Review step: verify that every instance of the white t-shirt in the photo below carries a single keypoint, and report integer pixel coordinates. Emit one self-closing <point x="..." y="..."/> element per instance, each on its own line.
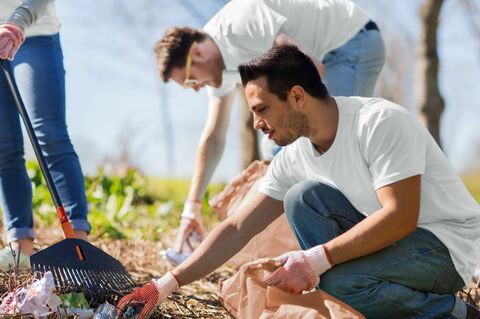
<point x="47" y="23"/>
<point x="245" y="29"/>
<point x="379" y="143"/>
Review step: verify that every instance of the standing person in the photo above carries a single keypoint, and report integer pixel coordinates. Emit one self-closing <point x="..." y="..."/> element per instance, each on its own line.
<point x="384" y="222"/>
<point x="338" y="35"/>
<point x="29" y="38"/>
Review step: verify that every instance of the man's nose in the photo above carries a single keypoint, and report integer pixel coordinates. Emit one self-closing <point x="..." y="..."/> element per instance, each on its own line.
<point x="258" y="123"/>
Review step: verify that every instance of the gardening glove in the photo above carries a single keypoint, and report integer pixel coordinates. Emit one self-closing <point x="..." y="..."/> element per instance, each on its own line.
<point x="300" y="270"/>
<point x="190" y="226"/>
<point x="11" y="37"/>
<point x="149" y="295"/>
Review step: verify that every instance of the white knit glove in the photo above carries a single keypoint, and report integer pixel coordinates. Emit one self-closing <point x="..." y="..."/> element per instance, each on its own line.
<point x="300" y="270"/>
<point x="190" y="226"/>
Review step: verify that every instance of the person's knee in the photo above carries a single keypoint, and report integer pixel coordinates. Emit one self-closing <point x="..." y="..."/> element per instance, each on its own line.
<point x="60" y="147"/>
<point x="54" y="140"/>
<point x="11" y="156"/>
<point x="307" y="193"/>
<point x="297" y="197"/>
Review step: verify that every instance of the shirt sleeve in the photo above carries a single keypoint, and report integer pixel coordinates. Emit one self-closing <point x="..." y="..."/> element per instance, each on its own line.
<point x="280" y="175"/>
<point x="28" y="12"/>
<point x="395" y="147"/>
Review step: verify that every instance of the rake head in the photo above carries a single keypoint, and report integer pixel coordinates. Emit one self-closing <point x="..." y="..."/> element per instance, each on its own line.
<point x="78" y="266"/>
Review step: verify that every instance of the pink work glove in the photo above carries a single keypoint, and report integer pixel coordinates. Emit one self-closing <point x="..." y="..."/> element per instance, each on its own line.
<point x="150" y="295"/>
<point x="11" y="37"/>
<point x="300" y="270"/>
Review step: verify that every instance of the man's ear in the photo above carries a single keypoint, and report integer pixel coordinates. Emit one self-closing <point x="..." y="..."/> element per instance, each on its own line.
<point x="197" y="53"/>
<point x="298" y="95"/>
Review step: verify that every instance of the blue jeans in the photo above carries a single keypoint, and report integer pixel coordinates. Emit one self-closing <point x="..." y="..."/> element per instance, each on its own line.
<point x="353" y="69"/>
<point x="413" y="278"/>
<point x="40" y="76"/>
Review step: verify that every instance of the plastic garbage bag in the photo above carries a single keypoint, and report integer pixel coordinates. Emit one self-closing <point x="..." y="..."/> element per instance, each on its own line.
<point x="30" y="300"/>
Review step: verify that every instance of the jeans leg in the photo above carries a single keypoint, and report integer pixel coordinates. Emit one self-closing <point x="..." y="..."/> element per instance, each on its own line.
<point x="41" y="80"/>
<point x="371" y="57"/>
<point x="318" y="213"/>
<point x="15" y="187"/>
<point x="353" y="69"/>
<point x="413" y="278"/>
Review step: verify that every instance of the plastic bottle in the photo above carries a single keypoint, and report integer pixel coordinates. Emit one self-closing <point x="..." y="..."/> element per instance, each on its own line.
<point x="105" y="311"/>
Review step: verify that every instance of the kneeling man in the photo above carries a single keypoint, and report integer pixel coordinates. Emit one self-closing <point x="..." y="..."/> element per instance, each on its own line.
<point x="384" y="222"/>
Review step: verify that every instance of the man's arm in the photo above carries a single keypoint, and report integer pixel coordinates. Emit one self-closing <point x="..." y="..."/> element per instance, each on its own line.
<point x="209" y="152"/>
<point x="396" y="219"/>
<point x="224" y="242"/>
<point x="300" y="270"/>
<point x="211" y="144"/>
<point x="229" y="237"/>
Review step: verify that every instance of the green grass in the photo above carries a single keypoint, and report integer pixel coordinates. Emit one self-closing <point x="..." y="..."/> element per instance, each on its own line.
<point x="130" y="205"/>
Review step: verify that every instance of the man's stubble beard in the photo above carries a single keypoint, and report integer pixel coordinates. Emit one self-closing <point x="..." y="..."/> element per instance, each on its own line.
<point x="295" y="126"/>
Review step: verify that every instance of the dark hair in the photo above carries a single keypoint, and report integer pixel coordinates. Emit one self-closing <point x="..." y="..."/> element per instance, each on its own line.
<point x="172" y="48"/>
<point x="284" y="67"/>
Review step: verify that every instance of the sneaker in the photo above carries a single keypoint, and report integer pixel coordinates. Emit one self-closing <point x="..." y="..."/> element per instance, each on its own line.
<point x="472" y="312"/>
<point x="7" y="261"/>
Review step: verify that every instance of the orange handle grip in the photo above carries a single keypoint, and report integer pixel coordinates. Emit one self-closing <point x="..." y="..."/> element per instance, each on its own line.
<point x="66" y="225"/>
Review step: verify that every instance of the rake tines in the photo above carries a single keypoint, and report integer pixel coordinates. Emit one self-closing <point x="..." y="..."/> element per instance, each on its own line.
<point x="98" y="275"/>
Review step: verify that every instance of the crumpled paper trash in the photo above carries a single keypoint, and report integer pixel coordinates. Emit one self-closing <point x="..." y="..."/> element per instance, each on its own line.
<point x="31" y="300"/>
<point x="245" y="296"/>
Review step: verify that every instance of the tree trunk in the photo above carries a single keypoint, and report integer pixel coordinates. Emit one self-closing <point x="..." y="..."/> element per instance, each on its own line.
<point x="430" y="101"/>
<point x="249" y="135"/>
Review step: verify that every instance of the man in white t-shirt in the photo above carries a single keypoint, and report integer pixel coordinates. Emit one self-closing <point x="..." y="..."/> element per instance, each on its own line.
<point x="384" y="223"/>
<point x="338" y="35"/>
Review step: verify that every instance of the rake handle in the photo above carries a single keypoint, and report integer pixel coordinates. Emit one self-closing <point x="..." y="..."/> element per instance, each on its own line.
<point x="12" y="85"/>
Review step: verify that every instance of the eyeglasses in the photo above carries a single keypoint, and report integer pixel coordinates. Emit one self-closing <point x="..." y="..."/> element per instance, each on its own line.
<point x="189" y="83"/>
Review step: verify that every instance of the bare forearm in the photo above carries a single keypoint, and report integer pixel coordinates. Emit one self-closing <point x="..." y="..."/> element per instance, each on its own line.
<point x="211" y="144"/>
<point x="208" y="155"/>
<point x="372" y="234"/>
<point x="222" y="244"/>
<point x="229" y="237"/>
<point x="397" y="218"/>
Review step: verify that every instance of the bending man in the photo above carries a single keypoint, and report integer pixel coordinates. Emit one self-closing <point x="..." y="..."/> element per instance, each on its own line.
<point x="338" y="35"/>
